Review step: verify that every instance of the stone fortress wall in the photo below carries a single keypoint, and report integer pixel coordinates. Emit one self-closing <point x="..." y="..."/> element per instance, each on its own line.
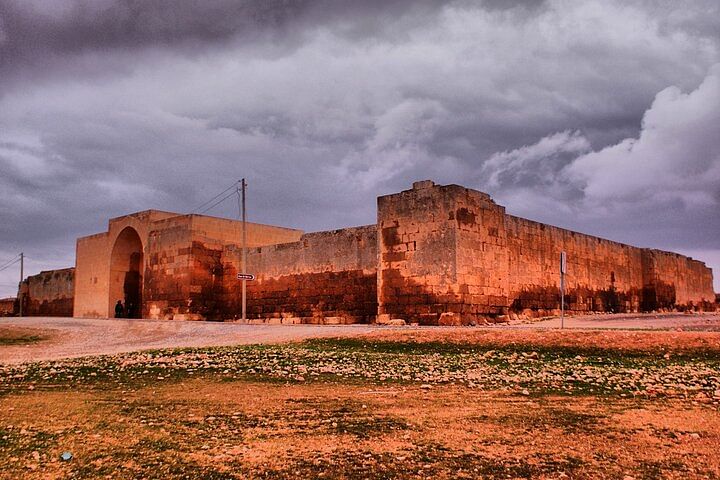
<point x="49" y="293"/>
<point x="452" y="252"/>
<point x="325" y="277"/>
<point x="437" y="255"/>
<point x="8" y="306"/>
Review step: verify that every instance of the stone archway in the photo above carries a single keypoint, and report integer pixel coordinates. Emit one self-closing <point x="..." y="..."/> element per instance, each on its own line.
<point x="126" y="273"/>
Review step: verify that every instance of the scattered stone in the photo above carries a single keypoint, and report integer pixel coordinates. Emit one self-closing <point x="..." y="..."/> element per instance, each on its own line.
<point x="66" y="456"/>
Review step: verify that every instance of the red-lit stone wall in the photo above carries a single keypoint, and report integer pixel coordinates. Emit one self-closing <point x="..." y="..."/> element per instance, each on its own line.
<point x="450" y="255"/>
<point x="326" y="277"/>
<point x="601" y="275"/>
<point x="49" y="293"/>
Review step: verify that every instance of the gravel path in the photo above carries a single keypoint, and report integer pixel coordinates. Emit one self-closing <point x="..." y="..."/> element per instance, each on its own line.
<point x="77" y="337"/>
<point x="662" y="321"/>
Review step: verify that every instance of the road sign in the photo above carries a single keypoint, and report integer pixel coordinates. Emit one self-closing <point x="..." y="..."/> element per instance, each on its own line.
<point x="245" y="276"/>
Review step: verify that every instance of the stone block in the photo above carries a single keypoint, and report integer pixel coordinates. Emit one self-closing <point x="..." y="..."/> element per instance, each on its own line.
<point x="450" y="319"/>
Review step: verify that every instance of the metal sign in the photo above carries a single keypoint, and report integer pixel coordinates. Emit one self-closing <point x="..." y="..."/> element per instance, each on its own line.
<point x="245" y="276"/>
<point x="563" y="262"/>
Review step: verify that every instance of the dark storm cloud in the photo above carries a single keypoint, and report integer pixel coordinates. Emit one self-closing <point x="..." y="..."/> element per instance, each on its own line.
<point x="35" y="27"/>
<point x="112" y="106"/>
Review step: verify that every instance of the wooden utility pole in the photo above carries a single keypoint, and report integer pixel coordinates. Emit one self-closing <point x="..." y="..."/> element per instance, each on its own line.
<point x="244" y="253"/>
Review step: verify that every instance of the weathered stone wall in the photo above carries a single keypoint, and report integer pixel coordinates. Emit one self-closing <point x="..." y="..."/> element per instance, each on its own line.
<point x="167" y="292"/>
<point x="671" y="280"/>
<point x="222" y="231"/>
<point x="49" y="293"/>
<point x="601" y="275"/>
<point x="8" y="306"/>
<point x="92" y="276"/>
<point x="441" y="251"/>
<point x="451" y="255"/>
<point x="210" y="235"/>
<point x="183" y="276"/>
<point x="326" y="277"/>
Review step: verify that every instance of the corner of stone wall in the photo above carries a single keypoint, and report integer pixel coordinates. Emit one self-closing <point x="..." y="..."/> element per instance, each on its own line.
<point x="441" y="250"/>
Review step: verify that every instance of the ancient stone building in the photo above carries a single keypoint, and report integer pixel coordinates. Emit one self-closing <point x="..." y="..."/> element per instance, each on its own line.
<point x="437" y="255"/>
<point x="161" y="264"/>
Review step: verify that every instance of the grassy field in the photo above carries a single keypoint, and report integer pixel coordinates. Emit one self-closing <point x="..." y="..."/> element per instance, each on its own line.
<point x="370" y="408"/>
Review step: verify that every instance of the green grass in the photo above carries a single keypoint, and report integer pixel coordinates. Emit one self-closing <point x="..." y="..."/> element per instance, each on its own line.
<point x="450" y="348"/>
<point x="547" y="370"/>
<point x="11" y="339"/>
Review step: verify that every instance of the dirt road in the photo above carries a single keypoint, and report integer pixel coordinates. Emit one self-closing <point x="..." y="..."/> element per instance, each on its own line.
<point x="662" y="321"/>
<point x="75" y="337"/>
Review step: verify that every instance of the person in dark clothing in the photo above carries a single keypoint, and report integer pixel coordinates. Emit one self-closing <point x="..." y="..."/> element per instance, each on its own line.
<point x="119" y="309"/>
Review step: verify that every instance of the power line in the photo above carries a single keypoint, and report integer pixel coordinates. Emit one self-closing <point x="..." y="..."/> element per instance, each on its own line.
<point x="17" y="257"/>
<point x="234" y="185"/>
<point x="219" y="202"/>
<point x="9" y="265"/>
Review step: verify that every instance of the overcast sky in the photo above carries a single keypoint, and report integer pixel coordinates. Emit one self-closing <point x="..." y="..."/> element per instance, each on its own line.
<point x="599" y="116"/>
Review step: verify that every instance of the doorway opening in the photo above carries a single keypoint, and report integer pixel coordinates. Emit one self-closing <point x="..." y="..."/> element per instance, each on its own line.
<point x="126" y="274"/>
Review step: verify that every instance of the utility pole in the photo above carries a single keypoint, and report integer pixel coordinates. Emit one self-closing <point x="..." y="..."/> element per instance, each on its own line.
<point x="563" y="269"/>
<point x="22" y="274"/>
<point x="244" y="253"/>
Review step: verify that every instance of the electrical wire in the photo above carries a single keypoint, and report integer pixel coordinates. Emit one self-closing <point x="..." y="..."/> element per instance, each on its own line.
<point x="219" y="202"/>
<point x="9" y="265"/>
<point x="234" y="185"/>
<point x="10" y="261"/>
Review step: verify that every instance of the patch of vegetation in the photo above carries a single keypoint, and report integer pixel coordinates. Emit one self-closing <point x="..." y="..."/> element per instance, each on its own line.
<point x="156" y="444"/>
<point x="429" y="461"/>
<point x="411" y="347"/>
<point x="347" y="345"/>
<point x="8" y="339"/>
<point x="548" y="417"/>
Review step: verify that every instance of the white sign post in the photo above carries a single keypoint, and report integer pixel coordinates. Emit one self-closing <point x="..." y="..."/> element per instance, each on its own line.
<point x="563" y="270"/>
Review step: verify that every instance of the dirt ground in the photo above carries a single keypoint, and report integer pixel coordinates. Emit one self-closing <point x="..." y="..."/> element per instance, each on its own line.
<point x="361" y="402"/>
<point x="205" y="429"/>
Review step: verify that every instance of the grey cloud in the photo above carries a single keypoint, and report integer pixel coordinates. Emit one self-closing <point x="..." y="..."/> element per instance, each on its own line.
<point x="659" y="189"/>
<point x="112" y="106"/>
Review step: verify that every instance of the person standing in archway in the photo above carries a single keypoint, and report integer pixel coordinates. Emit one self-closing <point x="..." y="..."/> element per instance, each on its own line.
<point x="119" y="309"/>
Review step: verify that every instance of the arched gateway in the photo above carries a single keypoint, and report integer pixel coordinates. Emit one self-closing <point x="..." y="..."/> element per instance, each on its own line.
<point x="126" y="272"/>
